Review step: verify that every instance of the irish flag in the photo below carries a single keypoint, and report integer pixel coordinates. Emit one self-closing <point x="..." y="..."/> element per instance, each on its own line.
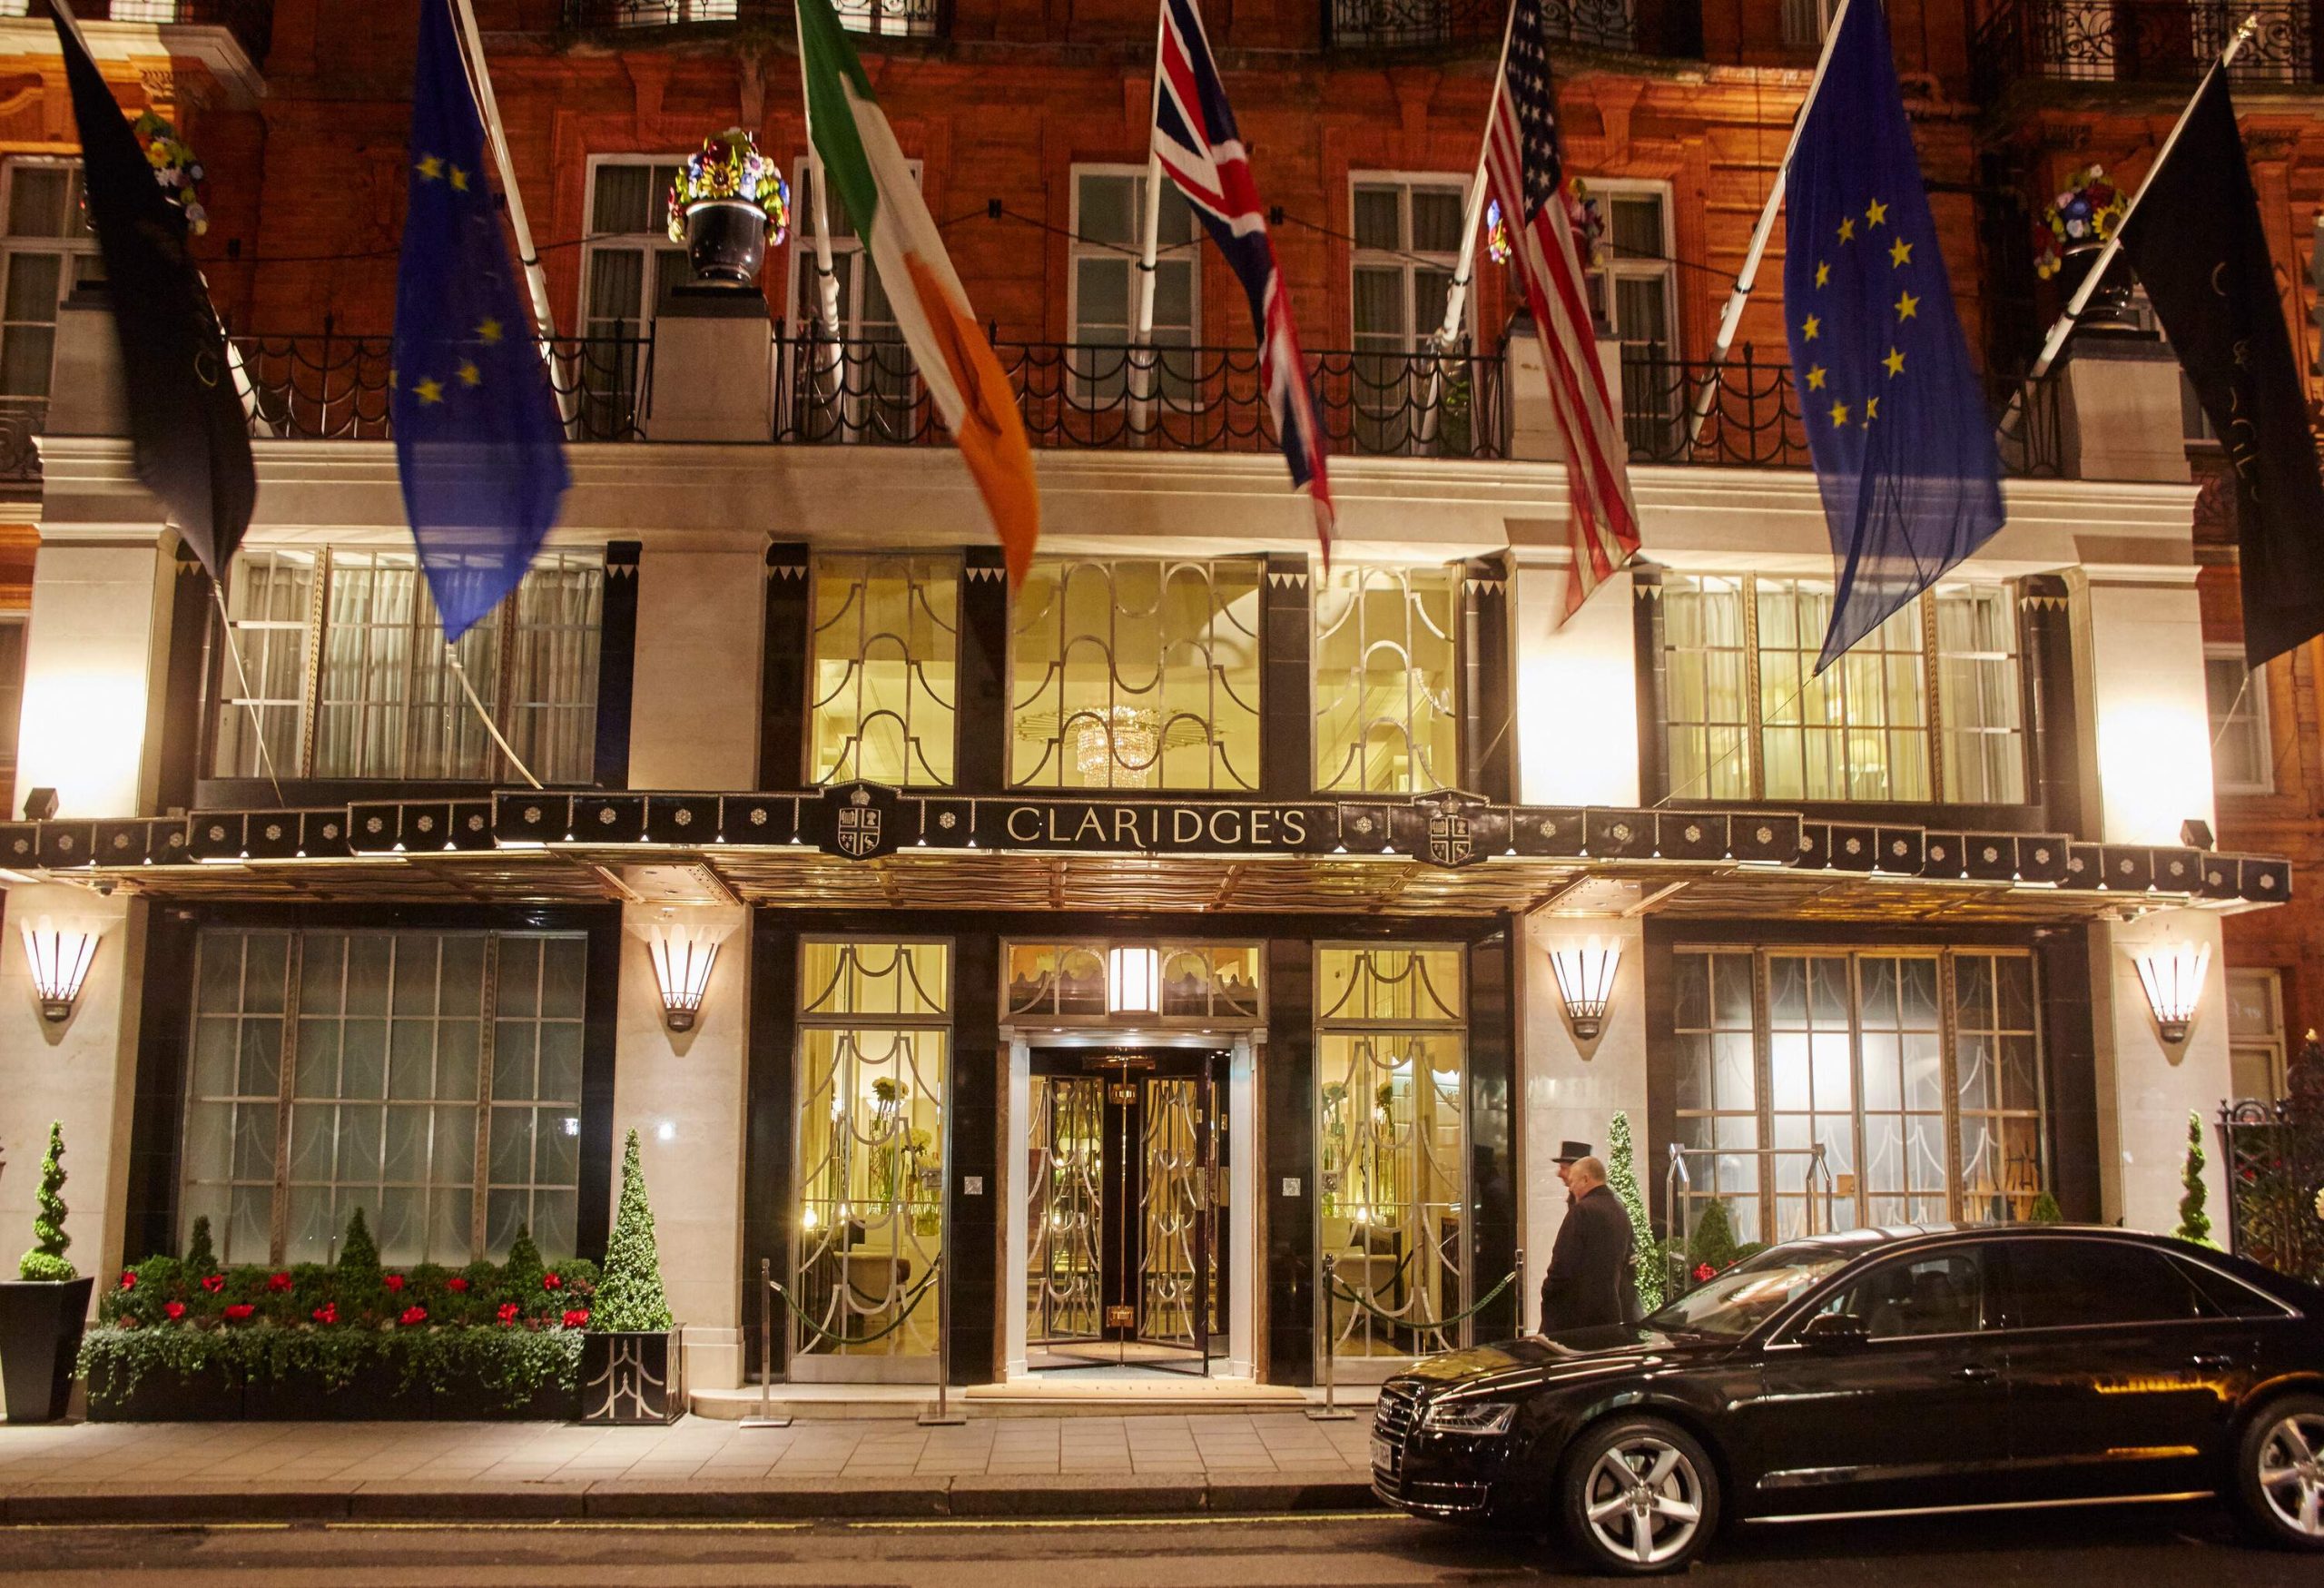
<point x="864" y="167"/>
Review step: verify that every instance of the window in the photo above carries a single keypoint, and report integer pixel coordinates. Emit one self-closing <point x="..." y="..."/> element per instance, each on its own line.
<point x="1407" y="249"/>
<point x="1633" y="293"/>
<point x="1387" y="666"/>
<point x="874" y="1045"/>
<point x="2085" y="1284"/>
<point x="1136" y="673"/>
<point x="1943" y="1293"/>
<point x="627" y="268"/>
<point x="1744" y="717"/>
<point x="47" y="252"/>
<point x="346" y="678"/>
<point x="12" y="692"/>
<point x="1392" y="1144"/>
<point x="883" y="671"/>
<point x="1108" y="226"/>
<point x="2255" y="1034"/>
<point x="1064" y="983"/>
<point x="1804" y="22"/>
<point x="333" y="1071"/>
<point x="865" y="388"/>
<point x="2243" y="760"/>
<point x="1917" y="1070"/>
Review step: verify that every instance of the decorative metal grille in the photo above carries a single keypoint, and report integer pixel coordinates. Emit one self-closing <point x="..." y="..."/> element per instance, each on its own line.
<point x="1372" y="25"/>
<point x="2275" y="1172"/>
<point x="331" y="386"/>
<point x="2142" y="41"/>
<point x="1392" y="1146"/>
<point x="1177" y="1279"/>
<point x="1064" y="1208"/>
<point x="887" y="18"/>
<point x="885" y="669"/>
<point x="1063" y="984"/>
<point x="874" y="1051"/>
<point x="1387" y="695"/>
<point x="1136" y="673"/>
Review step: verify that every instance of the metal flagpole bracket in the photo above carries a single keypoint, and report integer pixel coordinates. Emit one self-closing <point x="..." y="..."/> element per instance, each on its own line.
<point x="767" y="1417"/>
<point x="1331" y="1411"/>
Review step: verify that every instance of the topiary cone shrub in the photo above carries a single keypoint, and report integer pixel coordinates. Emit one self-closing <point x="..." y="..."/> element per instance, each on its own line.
<point x="630" y="1299"/>
<point x="633" y="1368"/>
<point x="2195" y="1221"/>
<point x="1621" y="1175"/>
<point x="46" y="1260"/>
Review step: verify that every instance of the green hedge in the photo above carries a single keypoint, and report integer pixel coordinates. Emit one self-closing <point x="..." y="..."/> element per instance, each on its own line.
<point x="512" y="1363"/>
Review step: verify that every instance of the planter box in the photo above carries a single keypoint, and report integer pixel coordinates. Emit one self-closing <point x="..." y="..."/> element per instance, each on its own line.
<point x="40" y="1336"/>
<point x="473" y="1401"/>
<point x="375" y="1395"/>
<point x="213" y="1394"/>
<point x="633" y="1377"/>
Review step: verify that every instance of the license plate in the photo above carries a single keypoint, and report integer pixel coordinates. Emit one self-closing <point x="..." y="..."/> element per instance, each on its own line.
<point x="1384" y="1454"/>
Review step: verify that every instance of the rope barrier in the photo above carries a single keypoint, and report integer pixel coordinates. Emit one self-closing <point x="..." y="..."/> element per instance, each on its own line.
<point x="1487" y="1299"/>
<point x="911" y="1302"/>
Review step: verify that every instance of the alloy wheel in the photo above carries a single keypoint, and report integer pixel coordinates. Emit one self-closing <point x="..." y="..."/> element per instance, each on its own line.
<point x="1645" y="1500"/>
<point x="2291" y="1471"/>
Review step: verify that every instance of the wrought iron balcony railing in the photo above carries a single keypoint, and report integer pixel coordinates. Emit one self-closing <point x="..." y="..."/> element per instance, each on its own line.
<point x="887" y="18"/>
<point x="251" y="22"/>
<point x="1654" y="27"/>
<point x="21" y="418"/>
<point x="2142" y="41"/>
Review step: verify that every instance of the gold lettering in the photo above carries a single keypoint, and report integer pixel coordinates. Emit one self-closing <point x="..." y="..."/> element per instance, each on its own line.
<point x="1017" y="837"/>
<point x="1294" y="827"/>
<point x="1126" y="817"/>
<point x="1262" y="827"/>
<point x="1186" y="825"/>
<point x="1055" y="836"/>
<point x="1090" y="826"/>
<point x="1234" y="837"/>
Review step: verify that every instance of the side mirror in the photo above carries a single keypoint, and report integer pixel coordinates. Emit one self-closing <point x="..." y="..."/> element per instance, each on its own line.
<point x="1835" y="1328"/>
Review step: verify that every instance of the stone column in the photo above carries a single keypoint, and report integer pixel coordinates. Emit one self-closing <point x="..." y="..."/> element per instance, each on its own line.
<point x="2146" y="1087"/>
<point x="2145" y="716"/>
<point x="1577" y="692"/>
<point x="695" y="706"/>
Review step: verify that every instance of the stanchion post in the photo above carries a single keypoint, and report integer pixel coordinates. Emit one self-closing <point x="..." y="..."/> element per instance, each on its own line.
<point x="1521" y="1289"/>
<point x="1330" y="1411"/>
<point x="767" y="1417"/>
<point x="942" y="1415"/>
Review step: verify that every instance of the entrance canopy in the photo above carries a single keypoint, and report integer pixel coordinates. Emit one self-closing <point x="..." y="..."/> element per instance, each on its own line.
<point x="867" y="846"/>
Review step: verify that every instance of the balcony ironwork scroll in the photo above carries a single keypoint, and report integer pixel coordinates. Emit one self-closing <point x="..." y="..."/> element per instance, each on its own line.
<point x="882" y="18"/>
<point x="1663" y="27"/>
<point x="2275" y="1172"/>
<point x="2142" y="41"/>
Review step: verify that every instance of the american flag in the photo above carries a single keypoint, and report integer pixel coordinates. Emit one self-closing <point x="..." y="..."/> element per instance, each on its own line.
<point x="1197" y="147"/>
<point x="1525" y="172"/>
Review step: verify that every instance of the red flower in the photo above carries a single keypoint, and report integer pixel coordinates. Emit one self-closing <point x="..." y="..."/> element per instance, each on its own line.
<point x="508" y="1310"/>
<point x="456" y="1286"/>
<point x="1704" y="1271"/>
<point x="240" y="1312"/>
<point x="393" y="1282"/>
<point x="174" y="1310"/>
<point x="128" y="1280"/>
<point x="413" y="1316"/>
<point x="215" y="1283"/>
<point x="328" y="1313"/>
<point x="576" y="1318"/>
<point x="277" y="1282"/>
<point x="551" y="1282"/>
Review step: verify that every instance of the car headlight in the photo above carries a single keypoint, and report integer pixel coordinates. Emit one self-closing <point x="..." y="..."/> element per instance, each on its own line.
<point x="1470" y="1418"/>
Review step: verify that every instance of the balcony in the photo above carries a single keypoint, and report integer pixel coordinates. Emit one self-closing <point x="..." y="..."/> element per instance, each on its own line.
<point x="251" y="22"/>
<point x="2141" y="41"/>
<point x="884" y="18"/>
<point x="334" y="387"/>
<point x="1653" y="28"/>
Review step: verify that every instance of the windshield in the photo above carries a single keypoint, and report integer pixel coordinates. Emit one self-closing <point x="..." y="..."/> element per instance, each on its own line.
<point x="1746" y="1295"/>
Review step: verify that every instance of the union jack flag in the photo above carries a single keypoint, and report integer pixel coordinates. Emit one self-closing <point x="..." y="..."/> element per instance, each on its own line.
<point x="1197" y="145"/>
<point x="1526" y="172"/>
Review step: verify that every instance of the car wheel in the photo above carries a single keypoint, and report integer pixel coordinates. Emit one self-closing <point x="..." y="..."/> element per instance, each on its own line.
<point x="1639" y="1496"/>
<point x="2279" y="1489"/>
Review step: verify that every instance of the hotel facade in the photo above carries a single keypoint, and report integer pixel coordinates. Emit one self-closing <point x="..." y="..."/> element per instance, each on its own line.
<point x="1089" y="963"/>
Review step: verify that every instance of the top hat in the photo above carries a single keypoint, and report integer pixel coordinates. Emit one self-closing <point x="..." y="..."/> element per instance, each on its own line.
<point x="1571" y="1152"/>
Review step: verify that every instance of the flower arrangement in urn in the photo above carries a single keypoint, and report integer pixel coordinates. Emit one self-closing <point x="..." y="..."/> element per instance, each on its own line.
<point x="729" y="205"/>
<point x="2083" y="217"/>
<point x="175" y="166"/>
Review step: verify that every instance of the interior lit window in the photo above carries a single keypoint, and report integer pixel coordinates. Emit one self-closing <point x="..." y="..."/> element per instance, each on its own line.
<point x="883" y="669"/>
<point x="1387" y="696"/>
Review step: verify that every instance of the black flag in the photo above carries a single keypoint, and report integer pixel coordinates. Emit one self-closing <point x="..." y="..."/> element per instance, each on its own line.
<point x="186" y="423"/>
<point x="2196" y="242"/>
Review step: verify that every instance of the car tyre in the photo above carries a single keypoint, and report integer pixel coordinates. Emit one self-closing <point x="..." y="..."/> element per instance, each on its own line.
<point x="2278" y="1490"/>
<point x="1637" y="1496"/>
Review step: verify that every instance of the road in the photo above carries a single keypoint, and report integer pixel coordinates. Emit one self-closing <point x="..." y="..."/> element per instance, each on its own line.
<point x="2079" y="1548"/>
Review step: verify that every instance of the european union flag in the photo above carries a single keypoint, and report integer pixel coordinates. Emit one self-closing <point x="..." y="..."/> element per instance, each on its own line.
<point x="478" y="440"/>
<point x="1896" y="418"/>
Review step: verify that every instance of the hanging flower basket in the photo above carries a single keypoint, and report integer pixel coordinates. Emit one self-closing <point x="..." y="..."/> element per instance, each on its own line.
<point x="2075" y="227"/>
<point x="729" y="205"/>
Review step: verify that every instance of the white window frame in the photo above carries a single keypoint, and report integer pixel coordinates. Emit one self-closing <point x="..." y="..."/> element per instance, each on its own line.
<point x="1089" y="370"/>
<point x="2252" y="708"/>
<point x="806" y="317"/>
<point x="1404" y="258"/>
<point x="78" y="251"/>
<point x="2270" y="1046"/>
<point x="655" y="242"/>
<point x="1604" y="304"/>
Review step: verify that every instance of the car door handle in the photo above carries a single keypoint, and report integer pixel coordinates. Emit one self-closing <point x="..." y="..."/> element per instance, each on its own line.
<point x="1977" y="1372"/>
<point x="2213" y="1360"/>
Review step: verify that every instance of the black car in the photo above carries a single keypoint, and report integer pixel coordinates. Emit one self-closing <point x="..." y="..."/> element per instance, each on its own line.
<point x="1883" y="1371"/>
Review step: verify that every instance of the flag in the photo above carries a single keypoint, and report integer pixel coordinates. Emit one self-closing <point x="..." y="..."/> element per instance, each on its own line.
<point x="2199" y="246"/>
<point x="1895" y="415"/>
<point x="862" y="163"/>
<point x="1200" y="149"/>
<point x="478" y="440"/>
<point x="187" y="430"/>
<point x="1525" y="171"/>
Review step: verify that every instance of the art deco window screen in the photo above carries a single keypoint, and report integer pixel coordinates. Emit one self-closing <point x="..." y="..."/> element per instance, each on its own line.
<point x="1136" y="673"/>
<point x="1918" y="1071"/>
<point x="1392" y="1146"/>
<point x="1064" y="984"/>
<point x="344" y="656"/>
<point x="874" y="1051"/>
<point x="1387" y="672"/>
<point x="431" y="1079"/>
<point x="883" y="672"/>
<point x="1927" y="707"/>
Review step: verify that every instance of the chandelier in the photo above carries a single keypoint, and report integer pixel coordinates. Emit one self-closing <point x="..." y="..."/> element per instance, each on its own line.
<point x="1116" y="749"/>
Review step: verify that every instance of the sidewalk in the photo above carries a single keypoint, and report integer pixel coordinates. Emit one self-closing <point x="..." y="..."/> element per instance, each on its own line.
<point x="698" y="1468"/>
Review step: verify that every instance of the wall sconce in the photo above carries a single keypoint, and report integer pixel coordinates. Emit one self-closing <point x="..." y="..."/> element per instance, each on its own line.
<point x="2173" y="974"/>
<point x="1134" y="980"/>
<point x="682" y="952"/>
<point x="60" y="954"/>
<point x="1585" y="981"/>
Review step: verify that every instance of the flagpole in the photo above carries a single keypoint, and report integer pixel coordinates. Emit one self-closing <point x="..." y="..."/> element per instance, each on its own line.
<point x="1473" y="214"/>
<point x="1749" y="275"/>
<point x="480" y="81"/>
<point x="1141" y="362"/>
<point x="2057" y="339"/>
<point x="826" y="278"/>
